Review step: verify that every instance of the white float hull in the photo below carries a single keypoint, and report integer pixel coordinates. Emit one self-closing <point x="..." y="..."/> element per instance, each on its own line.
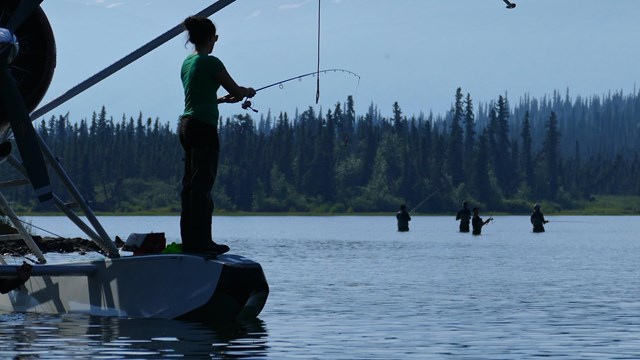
<point x="167" y="286"/>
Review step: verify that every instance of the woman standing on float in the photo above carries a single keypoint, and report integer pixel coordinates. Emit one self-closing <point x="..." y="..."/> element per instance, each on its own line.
<point x="202" y="75"/>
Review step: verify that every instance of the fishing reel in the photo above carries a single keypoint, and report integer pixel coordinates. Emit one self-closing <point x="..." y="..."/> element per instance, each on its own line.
<point x="246" y="104"/>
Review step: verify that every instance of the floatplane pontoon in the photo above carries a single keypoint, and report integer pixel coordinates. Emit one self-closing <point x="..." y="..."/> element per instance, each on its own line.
<point x="151" y="286"/>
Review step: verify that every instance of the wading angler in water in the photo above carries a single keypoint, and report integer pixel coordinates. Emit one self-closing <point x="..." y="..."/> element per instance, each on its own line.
<point x="403" y="218"/>
<point x="477" y="221"/>
<point x="464" y="215"/>
<point x="202" y="75"/>
<point x="537" y="219"/>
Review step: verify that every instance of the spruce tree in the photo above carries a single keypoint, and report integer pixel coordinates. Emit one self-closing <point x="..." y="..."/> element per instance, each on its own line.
<point x="455" y="144"/>
<point x="551" y="149"/>
<point x="526" y="158"/>
<point x="469" y="136"/>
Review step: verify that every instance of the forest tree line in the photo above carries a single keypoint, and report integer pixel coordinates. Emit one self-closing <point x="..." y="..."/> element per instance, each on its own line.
<point x="555" y="149"/>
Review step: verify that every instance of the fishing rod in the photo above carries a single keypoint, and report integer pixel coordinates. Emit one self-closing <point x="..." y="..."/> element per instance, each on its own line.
<point x="572" y="221"/>
<point x="427" y="198"/>
<point x="489" y="220"/>
<point x="247" y="103"/>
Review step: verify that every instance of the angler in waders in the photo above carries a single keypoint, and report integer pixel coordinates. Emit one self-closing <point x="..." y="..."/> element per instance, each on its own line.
<point x="537" y="219"/>
<point x="477" y="222"/>
<point x="403" y="218"/>
<point x="464" y="215"/>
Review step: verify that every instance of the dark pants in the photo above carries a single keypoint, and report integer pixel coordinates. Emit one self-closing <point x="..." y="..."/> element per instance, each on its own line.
<point x="201" y="149"/>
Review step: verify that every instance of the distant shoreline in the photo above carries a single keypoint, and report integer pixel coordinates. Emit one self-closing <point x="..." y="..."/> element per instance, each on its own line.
<point x="239" y="214"/>
<point x="602" y="205"/>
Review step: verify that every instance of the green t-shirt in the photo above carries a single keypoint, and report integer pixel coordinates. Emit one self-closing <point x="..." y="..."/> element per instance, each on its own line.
<point x="200" y="87"/>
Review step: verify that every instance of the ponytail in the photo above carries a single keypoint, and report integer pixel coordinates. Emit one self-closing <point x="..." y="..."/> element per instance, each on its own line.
<point x="200" y="29"/>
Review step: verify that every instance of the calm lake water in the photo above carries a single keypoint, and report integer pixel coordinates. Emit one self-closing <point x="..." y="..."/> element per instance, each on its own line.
<point x="353" y="288"/>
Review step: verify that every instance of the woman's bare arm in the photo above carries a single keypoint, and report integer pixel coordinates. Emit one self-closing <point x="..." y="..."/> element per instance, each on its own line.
<point x="236" y="92"/>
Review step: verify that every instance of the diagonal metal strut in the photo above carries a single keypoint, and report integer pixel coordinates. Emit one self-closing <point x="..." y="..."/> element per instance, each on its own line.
<point x="118" y="65"/>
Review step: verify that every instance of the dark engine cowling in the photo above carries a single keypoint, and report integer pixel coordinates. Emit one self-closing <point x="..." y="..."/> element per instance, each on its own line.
<point x="36" y="60"/>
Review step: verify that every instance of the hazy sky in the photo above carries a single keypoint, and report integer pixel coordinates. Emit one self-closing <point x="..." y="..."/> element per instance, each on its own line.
<point x="416" y="52"/>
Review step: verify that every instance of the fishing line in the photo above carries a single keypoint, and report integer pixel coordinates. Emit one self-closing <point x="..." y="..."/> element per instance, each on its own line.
<point x="318" y="64"/>
<point x="433" y="193"/>
<point x="246" y="104"/>
<point x="427" y="198"/>
<point x="33" y="226"/>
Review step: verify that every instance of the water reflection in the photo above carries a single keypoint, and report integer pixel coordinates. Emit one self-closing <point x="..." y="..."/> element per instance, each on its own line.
<point x="42" y="336"/>
<point x="354" y="288"/>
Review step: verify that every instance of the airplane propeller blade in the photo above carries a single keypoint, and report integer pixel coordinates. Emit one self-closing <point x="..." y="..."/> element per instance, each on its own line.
<point x="13" y="108"/>
<point x="25" y="135"/>
<point x="25" y="8"/>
